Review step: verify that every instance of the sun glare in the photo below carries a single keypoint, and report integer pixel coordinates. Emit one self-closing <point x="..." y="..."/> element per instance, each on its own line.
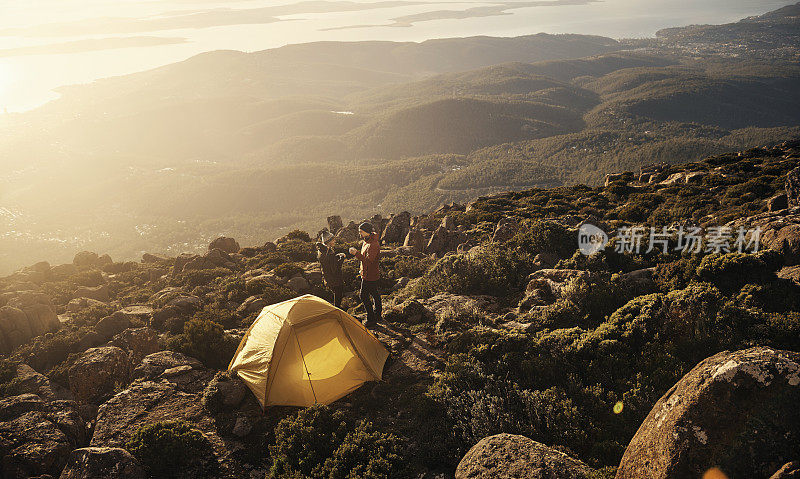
<point x="6" y="78"/>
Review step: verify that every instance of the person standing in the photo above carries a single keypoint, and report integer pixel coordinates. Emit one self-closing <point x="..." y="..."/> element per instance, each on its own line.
<point x="331" y="264"/>
<point x="370" y="256"/>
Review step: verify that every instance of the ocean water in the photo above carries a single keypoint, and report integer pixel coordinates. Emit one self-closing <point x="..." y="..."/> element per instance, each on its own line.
<point x="45" y="44"/>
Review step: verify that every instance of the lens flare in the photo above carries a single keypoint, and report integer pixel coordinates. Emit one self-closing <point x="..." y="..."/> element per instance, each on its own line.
<point x="618" y="407"/>
<point x="714" y="473"/>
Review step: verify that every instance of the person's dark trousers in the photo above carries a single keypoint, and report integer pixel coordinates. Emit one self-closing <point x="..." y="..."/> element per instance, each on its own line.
<point x="369" y="293"/>
<point x="338" y="293"/>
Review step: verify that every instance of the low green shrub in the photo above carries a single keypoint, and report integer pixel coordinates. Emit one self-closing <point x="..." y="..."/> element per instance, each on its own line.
<point x="318" y="442"/>
<point x="298" y="250"/>
<point x="204" y="339"/>
<point x="168" y="448"/>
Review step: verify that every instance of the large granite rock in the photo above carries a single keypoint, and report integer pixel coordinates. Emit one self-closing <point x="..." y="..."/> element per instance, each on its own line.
<point x="154" y="364"/>
<point x="507" y="456"/>
<point x="223" y="243"/>
<point x="736" y="411"/>
<point x="98" y="373"/>
<point x="102" y="463"/>
<point x="138" y="342"/>
<point x="397" y="228"/>
<point x="24" y="315"/>
<point x="36" y="436"/>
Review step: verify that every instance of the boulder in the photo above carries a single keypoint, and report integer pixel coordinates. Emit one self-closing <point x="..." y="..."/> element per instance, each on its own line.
<point x="224" y="391"/>
<point x="148" y="402"/>
<point x="778" y="202"/>
<point x="334" y="223"/>
<point x="37" y="436"/>
<point x="251" y="305"/>
<point x="736" y="411"/>
<point x="25" y="315"/>
<point x="505" y="229"/>
<point x="98" y="372"/>
<point x="104" y="260"/>
<point x="102" y="463"/>
<point x="63" y="270"/>
<point x="79" y="304"/>
<point x="31" y="381"/>
<point x="154" y="364"/>
<point x="269" y="247"/>
<point x="415" y="239"/>
<point x="85" y="259"/>
<point x="139" y="342"/>
<point x="410" y="312"/>
<point x="449" y="223"/>
<point x="141" y="312"/>
<point x="112" y="324"/>
<point x="216" y="258"/>
<point x="348" y="234"/>
<point x="225" y="244"/>
<point x="397" y="228"/>
<point x="780" y="231"/>
<point x="507" y="456"/>
<point x="153" y="258"/>
<point x="99" y="293"/>
<point x="159" y="319"/>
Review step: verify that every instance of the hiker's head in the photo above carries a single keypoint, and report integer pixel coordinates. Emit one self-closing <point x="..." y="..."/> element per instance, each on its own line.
<point x="365" y="229"/>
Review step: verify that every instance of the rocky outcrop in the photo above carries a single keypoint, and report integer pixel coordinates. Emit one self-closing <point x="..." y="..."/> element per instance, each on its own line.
<point x="780" y="231"/>
<point x="85" y="259"/>
<point x="102" y="463"/>
<point x="98" y="372"/>
<point x="30" y="381"/>
<point x="397" y="228"/>
<point x="507" y="456"/>
<point x="778" y="202"/>
<point x="735" y="411"/>
<point x="335" y="224"/>
<point x="24" y="315"/>
<point x="348" y="234"/>
<point x="36" y="436"/>
<point x="224" y="244"/>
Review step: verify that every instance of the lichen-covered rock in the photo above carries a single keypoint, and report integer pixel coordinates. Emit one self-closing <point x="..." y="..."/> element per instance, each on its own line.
<point x="102" y="463"/>
<point x="505" y="229"/>
<point x="735" y="410"/>
<point x="139" y="342"/>
<point x="37" y="436"/>
<point x="155" y="364"/>
<point x="224" y="391"/>
<point x="98" y="372"/>
<point x="507" y="456"/>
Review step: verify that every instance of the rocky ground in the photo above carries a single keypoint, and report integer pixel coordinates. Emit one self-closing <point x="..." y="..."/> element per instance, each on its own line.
<point x="512" y="355"/>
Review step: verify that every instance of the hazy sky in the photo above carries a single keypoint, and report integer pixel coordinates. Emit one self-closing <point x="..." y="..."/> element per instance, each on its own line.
<point x="48" y="43"/>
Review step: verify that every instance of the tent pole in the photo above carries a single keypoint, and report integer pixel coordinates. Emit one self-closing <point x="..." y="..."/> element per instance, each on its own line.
<point x="303" y="357"/>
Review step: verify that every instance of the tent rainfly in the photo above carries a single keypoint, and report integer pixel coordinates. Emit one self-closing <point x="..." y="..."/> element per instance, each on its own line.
<point x="306" y="351"/>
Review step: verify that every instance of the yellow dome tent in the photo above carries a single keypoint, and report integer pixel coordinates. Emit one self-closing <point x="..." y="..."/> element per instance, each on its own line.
<point x="306" y="351"/>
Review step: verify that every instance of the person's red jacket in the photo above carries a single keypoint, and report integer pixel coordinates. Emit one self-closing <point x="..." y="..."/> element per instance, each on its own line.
<point x="370" y="257"/>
